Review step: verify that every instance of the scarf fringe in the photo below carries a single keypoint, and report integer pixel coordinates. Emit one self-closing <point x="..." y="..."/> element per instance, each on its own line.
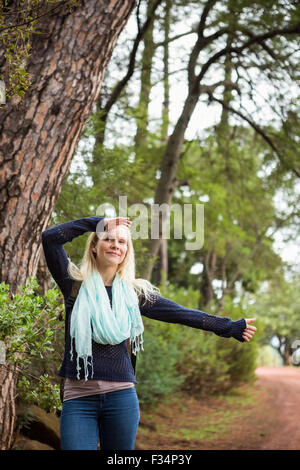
<point x="86" y="363"/>
<point x="137" y="344"/>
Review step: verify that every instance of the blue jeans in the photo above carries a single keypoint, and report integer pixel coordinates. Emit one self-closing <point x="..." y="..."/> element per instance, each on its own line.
<point x="112" y="416"/>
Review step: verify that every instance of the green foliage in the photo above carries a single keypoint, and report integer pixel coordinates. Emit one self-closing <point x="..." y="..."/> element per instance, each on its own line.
<point x="239" y="210"/>
<point x="156" y="365"/>
<point x="17" y="26"/>
<point x="241" y="357"/>
<point x="212" y="363"/>
<point x="39" y="391"/>
<point x="177" y="356"/>
<point x="278" y="305"/>
<point x="100" y="179"/>
<point x="28" y="323"/>
<point x="203" y="364"/>
<point x="268" y="357"/>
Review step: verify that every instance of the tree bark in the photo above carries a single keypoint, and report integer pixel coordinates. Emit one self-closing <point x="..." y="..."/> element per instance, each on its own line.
<point x="286" y="353"/>
<point x="38" y="137"/>
<point x="162" y="264"/>
<point x="209" y="271"/>
<point x="8" y="380"/>
<point x="42" y="275"/>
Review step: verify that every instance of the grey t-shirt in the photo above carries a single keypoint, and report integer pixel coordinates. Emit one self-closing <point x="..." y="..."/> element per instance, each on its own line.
<point x="74" y="388"/>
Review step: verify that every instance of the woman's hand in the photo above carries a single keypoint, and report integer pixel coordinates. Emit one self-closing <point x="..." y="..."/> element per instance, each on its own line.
<point x="112" y="223"/>
<point x="249" y="330"/>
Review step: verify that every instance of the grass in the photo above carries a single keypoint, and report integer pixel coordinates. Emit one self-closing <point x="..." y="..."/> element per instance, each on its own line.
<point x="197" y="419"/>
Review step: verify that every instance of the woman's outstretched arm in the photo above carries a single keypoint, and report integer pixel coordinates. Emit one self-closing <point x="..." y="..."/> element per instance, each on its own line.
<point x="171" y="312"/>
<point x="53" y="240"/>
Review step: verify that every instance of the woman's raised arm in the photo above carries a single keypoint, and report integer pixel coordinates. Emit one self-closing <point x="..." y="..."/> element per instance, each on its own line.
<point x="53" y="240"/>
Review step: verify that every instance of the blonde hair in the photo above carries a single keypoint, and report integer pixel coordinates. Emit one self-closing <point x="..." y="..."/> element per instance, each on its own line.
<point x="126" y="269"/>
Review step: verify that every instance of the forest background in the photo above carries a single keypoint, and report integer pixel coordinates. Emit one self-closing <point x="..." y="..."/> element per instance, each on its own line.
<point x="199" y="104"/>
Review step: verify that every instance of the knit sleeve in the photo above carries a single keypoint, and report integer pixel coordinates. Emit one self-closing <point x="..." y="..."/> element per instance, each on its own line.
<point x="160" y="308"/>
<point x="53" y="240"/>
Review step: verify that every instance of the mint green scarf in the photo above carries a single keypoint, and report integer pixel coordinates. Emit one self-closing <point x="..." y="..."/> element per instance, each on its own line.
<point x="93" y="318"/>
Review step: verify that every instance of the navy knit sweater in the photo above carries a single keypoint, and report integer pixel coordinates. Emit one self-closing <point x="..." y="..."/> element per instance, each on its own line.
<point x="112" y="362"/>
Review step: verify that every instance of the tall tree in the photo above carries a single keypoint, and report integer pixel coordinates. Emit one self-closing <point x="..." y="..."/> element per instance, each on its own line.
<point x="162" y="262"/>
<point x="108" y="99"/>
<point x="278" y="307"/>
<point x="166" y="72"/>
<point x="258" y="30"/>
<point x="142" y="116"/>
<point x="240" y="218"/>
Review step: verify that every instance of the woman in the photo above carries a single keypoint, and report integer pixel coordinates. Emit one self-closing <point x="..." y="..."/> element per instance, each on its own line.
<point x="100" y="399"/>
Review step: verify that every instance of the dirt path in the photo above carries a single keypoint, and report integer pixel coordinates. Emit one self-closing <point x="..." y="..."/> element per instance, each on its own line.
<point x="263" y="416"/>
<point x="283" y="384"/>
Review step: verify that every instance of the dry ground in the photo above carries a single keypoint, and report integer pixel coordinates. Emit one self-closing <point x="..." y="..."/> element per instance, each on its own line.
<point x="265" y="415"/>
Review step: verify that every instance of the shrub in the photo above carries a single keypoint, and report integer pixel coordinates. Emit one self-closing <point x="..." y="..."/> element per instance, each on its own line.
<point x="157" y="373"/>
<point x="213" y="364"/>
<point x="28" y="322"/>
<point x="202" y="361"/>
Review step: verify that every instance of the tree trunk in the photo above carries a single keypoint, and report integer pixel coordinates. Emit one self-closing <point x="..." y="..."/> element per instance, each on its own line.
<point x="163" y="251"/>
<point x="286" y="353"/>
<point x="42" y="275"/>
<point x="166" y="102"/>
<point x="104" y="105"/>
<point x="8" y="380"/>
<point x="144" y="97"/>
<point x="168" y="180"/>
<point x="209" y="271"/>
<point x="38" y="137"/>
<point x="162" y="263"/>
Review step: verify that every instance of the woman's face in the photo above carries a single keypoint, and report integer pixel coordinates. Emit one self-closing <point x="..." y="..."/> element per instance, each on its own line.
<point x="112" y="248"/>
